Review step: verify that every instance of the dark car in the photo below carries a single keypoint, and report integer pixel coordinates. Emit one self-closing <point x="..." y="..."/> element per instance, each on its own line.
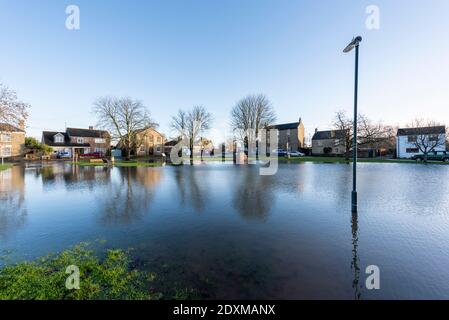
<point x="281" y="153"/>
<point x="433" y="156"/>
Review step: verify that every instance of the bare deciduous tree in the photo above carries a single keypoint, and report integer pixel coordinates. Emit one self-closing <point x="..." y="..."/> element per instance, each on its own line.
<point x="427" y="136"/>
<point x="368" y="132"/>
<point x="12" y="110"/>
<point x="251" y="114"/>
<point x="192" y="125"/>
<point x="123" y="118"/>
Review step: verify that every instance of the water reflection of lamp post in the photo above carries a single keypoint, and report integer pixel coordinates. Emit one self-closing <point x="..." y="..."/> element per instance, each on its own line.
<point x="354" y="44"/>
<point x="355" y="257"/>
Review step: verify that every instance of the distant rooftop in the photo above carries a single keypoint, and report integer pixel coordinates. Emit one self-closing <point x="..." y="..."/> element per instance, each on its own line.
<point x="9" y="128"/>
<point x="286" y="126"/>
<point x="423" y="130"/>
<point x="329" y="134"/>
<point x="87" y="133"/>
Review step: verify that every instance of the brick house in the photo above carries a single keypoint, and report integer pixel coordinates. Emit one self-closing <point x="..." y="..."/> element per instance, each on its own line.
<point x="290" y="135"/>
<point x="331" y="142"/>
<point x="149" y="142"/>
<point x="12" y="140"/>
<point x="77" y="141"/>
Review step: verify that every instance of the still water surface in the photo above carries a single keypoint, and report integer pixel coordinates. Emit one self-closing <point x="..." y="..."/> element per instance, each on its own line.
<point x="226" y="232"/>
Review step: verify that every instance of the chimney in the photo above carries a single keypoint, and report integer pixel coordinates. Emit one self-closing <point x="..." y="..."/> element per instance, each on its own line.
<point x="316" y="130"/>
<point x="22" y="125"/>
<point x="91" y="128"/>
<point x="333" y="134"/>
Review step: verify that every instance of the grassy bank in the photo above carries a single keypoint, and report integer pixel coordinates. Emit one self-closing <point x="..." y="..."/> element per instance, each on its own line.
<point x="110" y="277"/>
<point x="362" y="160"/>
<point x="143" y="163"/>
<point x="5" y="166"/>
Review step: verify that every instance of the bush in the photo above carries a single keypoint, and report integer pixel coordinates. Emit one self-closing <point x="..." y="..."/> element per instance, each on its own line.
<point x="33" y="145"/>
<point x="109" y="278"/>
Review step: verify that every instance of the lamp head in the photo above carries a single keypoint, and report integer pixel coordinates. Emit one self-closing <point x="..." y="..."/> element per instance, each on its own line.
<point x="354" y="43"/>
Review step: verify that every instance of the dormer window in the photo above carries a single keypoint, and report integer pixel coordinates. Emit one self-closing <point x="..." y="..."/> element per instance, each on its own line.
<point x="59" y="138"/>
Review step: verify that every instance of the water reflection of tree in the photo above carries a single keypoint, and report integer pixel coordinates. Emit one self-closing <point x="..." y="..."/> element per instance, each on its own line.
<point x="129" y="197"/>
<point x="253" y="196"/>
<point x="355" y="263"/>
<point x="193" y="190"/>
<point x="13" y="213"/>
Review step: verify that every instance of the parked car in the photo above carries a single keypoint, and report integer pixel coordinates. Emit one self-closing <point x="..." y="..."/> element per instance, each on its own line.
<point x="281" y="153"/>
<point x="296" y="154"/>
<point x="433" y="156"/>
<point x="63" y="155"/>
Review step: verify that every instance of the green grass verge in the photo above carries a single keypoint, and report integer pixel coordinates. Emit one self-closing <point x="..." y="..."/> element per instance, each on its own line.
<point x="5" y="166"/>
<point x="110" y="277"/>
<point x="343" y="160"/>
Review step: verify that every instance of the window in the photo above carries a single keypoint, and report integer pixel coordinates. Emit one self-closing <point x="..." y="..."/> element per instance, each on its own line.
<point x="99" y="150"/>
<point x="151" y="139"/>
<point x="79" y="140"/>
<point x="411" y="138"/>
<point x="159" y="140"/>
<point x="412" y="150"/>
<point x="433" y="137"/>
<point x="6" y="151"/>
<point x="100" y="140"/>
<point x="6" y="137"/>
<point x="59" y="138"/>
<point x="319" y="143"/>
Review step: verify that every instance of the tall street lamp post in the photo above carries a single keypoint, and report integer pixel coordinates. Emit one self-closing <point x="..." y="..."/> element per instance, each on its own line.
<point x="354" y="44"/>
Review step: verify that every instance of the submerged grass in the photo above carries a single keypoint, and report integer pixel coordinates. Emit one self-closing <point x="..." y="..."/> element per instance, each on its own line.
<point x="109" y="278"/>
<point x="5" y="166"/>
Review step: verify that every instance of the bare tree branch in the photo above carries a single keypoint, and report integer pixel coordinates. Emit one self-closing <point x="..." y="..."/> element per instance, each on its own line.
<point x="123" y="118"/>
<point x="253" y="112"/>
<point x="425" y="141"/>
<point x="192" y="125"/>
<point x="12" y="110"/>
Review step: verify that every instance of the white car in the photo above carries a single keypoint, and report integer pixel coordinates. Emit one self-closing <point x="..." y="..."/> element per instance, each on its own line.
<point x="296" y="154"/>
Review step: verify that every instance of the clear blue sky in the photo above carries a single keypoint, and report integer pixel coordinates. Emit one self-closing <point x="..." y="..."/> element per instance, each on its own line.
<point x="175" y="54"/>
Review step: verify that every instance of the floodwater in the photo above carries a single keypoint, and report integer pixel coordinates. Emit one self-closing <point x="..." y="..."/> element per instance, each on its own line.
<point x="224" y="231"/>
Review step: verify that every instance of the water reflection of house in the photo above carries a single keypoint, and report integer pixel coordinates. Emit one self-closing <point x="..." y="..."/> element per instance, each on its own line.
<point x="148" y="177"/>
<point x="73" y="177"/>
<point x="12" y="200"/>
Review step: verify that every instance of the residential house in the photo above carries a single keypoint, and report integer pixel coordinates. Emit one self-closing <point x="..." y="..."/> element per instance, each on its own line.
<point x="149" y="142"/>
<point x="406" y="146"/>
<point x="77" y="141"/>
<point x="12" y="140"/>
<point x="290" y="135"/>
<point x="330" y="142"/>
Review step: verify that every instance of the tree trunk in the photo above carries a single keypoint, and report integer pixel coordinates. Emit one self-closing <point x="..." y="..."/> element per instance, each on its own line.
<point x="191" y="151"/>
